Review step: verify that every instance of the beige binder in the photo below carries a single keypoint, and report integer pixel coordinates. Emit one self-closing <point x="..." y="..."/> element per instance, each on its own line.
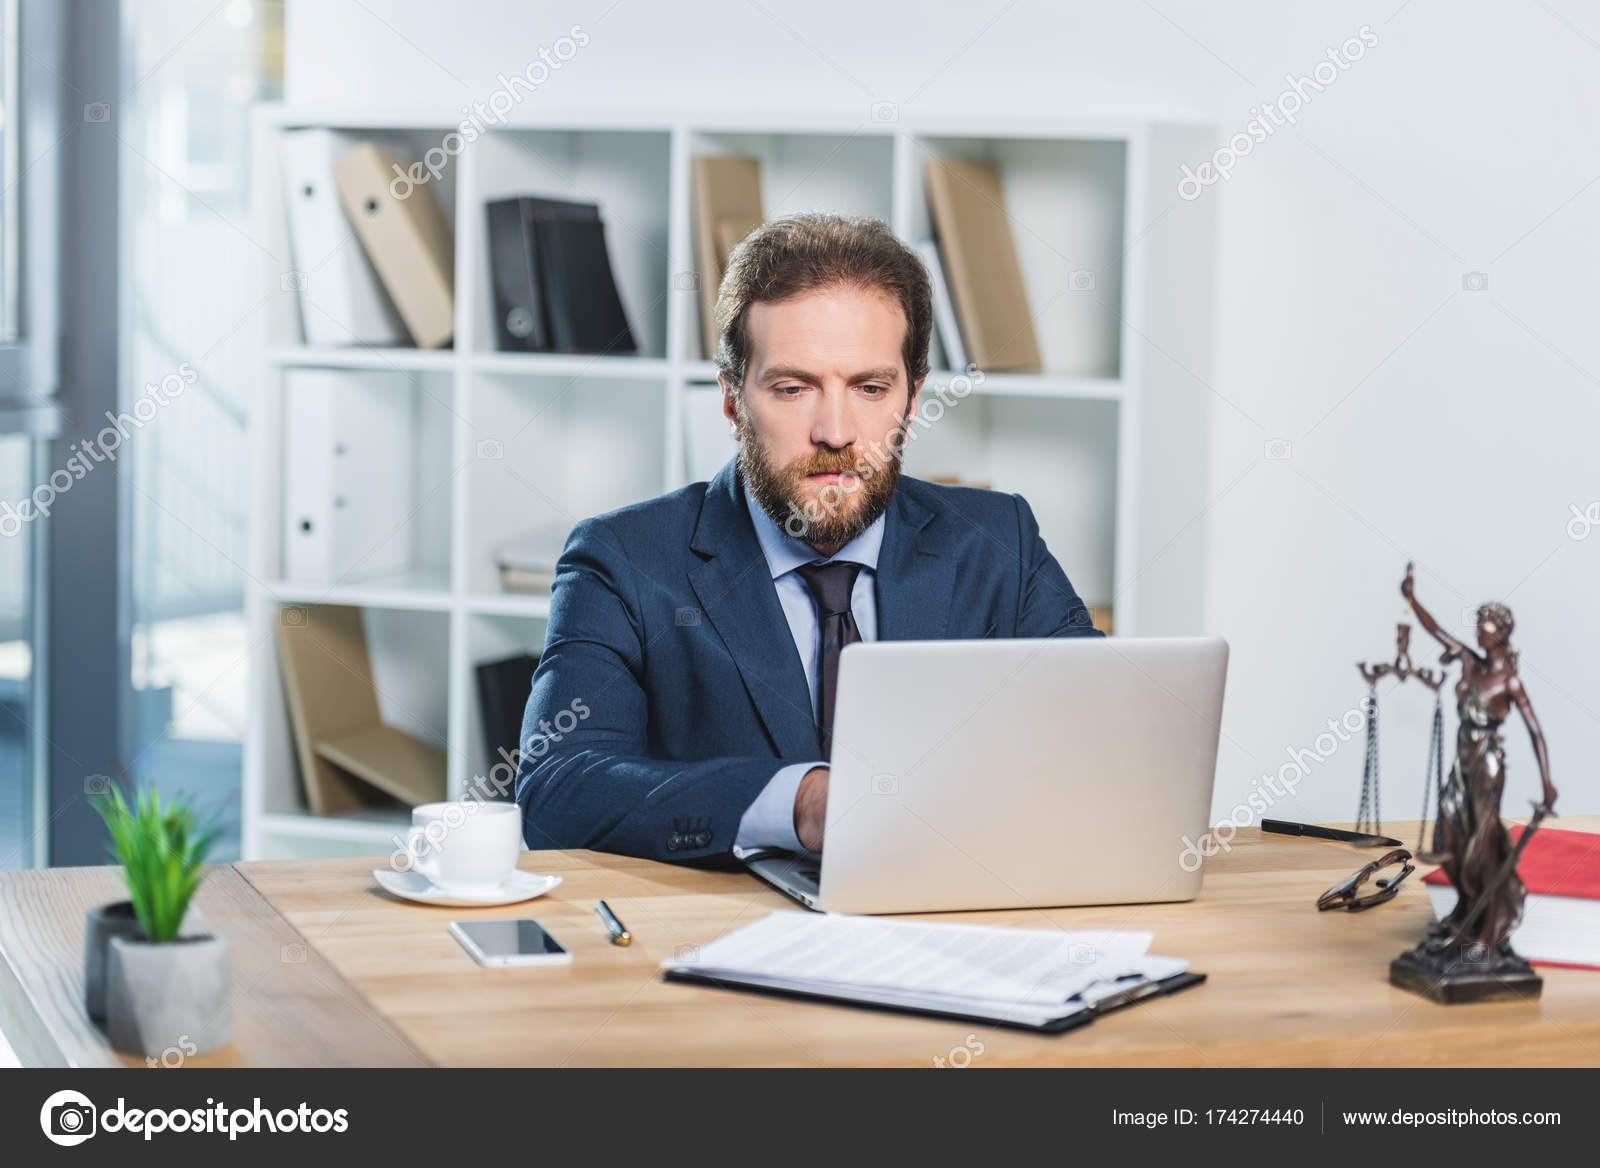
<point x="727" y="197"/>
<point x="341" y="741"/>
<point x="407" y="240"/>
<point x="730" y="234"/>
<point x="980" y="259"/>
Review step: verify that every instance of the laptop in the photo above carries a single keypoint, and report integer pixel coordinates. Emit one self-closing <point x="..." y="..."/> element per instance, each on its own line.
<point x="1013" y="774"/>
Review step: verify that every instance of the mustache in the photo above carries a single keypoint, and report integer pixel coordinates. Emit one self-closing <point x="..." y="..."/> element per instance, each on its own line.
<point x="827" y="462"/>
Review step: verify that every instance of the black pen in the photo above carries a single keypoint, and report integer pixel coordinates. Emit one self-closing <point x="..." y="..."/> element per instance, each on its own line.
<point x="619" y="935"/>
<point x="1315" y="831"/>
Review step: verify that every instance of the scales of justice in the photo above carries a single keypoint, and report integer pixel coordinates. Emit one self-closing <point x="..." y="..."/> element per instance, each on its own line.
<point x="1467" y="957"/>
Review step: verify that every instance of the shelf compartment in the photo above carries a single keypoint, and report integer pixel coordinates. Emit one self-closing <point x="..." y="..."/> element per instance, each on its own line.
<point x="1066" y="202"/>
<point x="546" y="452"/>
<point x="625" y="172"/>
<point x="1060" y="455"/>
<point x="849" y="174"/>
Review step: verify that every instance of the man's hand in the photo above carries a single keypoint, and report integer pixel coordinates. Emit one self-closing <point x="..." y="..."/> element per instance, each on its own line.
<point x="811" y="808"/>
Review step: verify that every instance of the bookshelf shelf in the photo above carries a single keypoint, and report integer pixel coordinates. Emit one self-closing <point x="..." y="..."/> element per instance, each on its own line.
<point x="374" y="830"/>
<point x="562" y="365"/>
<point x="1108" y="389"/>
<point x="361" y="357"/>
<point x="1106" y="442"/>
<point x="508" y="604"/>
<point x="429" y="594"/>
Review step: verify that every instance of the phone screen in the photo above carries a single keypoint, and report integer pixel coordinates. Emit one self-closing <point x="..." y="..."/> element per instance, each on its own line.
<point x="499" y="940"/>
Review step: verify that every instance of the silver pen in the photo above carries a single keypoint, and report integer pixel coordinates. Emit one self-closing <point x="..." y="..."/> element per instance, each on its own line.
<point x="614" y="928"/>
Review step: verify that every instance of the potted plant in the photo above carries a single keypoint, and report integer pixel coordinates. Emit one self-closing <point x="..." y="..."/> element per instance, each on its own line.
<point x="164" y="987"/>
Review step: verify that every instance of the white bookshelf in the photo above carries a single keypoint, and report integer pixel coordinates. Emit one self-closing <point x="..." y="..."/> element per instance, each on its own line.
<point x="1107" y="443"/>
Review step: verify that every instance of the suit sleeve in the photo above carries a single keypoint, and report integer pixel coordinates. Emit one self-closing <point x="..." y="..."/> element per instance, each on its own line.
<point x="585" y="775"/>
<point x="1048" y="606"/>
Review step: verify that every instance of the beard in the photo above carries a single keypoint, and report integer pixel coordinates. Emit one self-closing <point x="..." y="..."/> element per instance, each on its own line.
<point x="832" y="516"/>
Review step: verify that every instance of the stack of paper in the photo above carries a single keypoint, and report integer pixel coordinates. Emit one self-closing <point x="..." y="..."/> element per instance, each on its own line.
<point x="1042" y="978"/>
<point x="528" y="564"/>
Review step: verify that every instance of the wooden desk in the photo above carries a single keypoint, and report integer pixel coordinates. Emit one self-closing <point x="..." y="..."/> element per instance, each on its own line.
<point x="383" y="980"/>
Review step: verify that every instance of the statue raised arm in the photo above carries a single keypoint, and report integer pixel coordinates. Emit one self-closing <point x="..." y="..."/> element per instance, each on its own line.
<point x="1453" y="648"/>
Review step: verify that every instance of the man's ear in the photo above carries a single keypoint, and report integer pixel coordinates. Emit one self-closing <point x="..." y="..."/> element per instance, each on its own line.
<point x="730" y="408"/>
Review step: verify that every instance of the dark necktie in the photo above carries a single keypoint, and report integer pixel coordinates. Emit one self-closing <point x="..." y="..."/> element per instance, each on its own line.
<point x="830" y="585"/>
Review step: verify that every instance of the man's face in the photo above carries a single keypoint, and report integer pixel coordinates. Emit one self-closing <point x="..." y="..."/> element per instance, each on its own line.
<point x="825" y="399"/>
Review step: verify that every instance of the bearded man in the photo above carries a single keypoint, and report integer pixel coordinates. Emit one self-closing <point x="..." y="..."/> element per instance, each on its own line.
<point x="700" y="632"/>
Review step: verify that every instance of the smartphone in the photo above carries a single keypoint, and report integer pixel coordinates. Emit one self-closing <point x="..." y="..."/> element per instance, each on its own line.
<point x="501" y="943"/>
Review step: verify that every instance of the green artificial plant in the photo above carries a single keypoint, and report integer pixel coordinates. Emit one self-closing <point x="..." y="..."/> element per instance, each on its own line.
<point x="161" y="852"/>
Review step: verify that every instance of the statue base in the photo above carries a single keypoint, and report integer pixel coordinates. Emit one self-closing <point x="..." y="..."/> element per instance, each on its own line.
<point x="1451" y="977"/>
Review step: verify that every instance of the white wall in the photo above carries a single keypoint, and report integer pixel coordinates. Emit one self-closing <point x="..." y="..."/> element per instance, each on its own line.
<point x="1424" y="421"/>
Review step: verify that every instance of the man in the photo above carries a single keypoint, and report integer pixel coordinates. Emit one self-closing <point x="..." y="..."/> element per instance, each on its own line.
<point x="684" y="702"/>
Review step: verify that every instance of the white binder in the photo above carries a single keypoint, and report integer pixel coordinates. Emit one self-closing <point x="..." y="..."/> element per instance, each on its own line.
<point x="946" y="327"/>
<point x="341" y="299"/>
<point x="348" y="441"/>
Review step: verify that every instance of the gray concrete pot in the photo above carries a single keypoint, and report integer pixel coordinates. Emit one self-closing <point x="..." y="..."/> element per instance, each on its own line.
<point x="169" y="996"/>
<point x="117" y="919"/>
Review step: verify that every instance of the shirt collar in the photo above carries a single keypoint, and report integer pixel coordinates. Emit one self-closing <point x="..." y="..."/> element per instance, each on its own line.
<point x="785" y="553"/>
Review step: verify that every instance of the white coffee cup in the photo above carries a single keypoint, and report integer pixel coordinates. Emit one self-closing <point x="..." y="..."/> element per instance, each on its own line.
<point x="468" y="846"/>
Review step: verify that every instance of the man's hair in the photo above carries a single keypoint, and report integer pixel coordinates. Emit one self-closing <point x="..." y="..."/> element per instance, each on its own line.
<point x="809" y="251"/>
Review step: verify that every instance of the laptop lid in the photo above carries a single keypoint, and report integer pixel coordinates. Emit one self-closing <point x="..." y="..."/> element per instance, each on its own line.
<point x="1020" y="773"/>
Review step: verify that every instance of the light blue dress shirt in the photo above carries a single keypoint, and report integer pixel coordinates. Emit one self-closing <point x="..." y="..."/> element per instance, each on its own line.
<point x="769" y="821"/>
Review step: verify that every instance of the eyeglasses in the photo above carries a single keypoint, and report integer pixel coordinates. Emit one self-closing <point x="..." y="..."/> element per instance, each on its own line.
<point x="1348" y="894"/>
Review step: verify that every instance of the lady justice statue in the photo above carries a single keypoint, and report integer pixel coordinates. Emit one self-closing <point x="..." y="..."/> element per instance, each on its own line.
<point x="1467" y="956"/>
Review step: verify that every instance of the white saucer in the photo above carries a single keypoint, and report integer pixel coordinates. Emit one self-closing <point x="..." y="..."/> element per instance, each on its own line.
<point x="415" y="886"/>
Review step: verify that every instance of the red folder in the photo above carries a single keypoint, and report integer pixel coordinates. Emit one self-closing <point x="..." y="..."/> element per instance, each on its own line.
<point x="1556" y="863"/>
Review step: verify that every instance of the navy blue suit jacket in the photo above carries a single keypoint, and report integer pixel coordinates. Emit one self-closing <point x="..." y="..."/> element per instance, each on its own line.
<point x="670" y="691"/>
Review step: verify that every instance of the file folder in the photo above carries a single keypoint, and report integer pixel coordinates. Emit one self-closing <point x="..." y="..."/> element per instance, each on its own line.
<point x="341" y="299"/>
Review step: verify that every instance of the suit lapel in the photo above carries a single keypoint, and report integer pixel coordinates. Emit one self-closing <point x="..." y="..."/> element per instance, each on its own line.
<point x="736" y="593"/>
<point x="916" y="576"/>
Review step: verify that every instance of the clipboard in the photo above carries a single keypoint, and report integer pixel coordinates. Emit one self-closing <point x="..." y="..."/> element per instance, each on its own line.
<point x="1082" y="1016"/>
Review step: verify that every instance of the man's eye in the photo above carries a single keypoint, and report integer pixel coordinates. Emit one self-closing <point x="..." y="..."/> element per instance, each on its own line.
<point x="791" y="390"/>
<point x="875" y="390"/>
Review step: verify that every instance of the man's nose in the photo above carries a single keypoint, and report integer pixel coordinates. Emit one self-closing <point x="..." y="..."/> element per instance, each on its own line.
<point x="832" y="424"/>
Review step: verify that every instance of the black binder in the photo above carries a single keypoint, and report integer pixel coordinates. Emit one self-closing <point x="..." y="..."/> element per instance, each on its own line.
<point x="580" y="297"/>
<point x="519" y="311"/>
<point x="503" y="689"/>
